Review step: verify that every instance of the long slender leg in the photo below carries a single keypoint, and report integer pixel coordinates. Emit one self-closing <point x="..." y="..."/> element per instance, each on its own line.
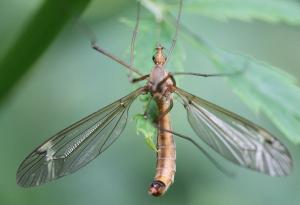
<point x="134" y="34"/>
<point x="135" y="80"/>
<point x="173" y="80"/>
<point x="212" y="160"/>
<point x="197" y="38"/>
<point x="146" y="112"/>
<point x="167" y="111"/>
<point x="92" y="37"/>
<point x="171" y="76"/>
<point x="174" y="40"/>
<point x="118" y="60"/>
<point x="239" y="72"/>
<point x="159" y="85"/>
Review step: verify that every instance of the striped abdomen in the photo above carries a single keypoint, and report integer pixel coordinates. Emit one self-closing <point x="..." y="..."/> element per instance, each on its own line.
<point x="166" y="155"/>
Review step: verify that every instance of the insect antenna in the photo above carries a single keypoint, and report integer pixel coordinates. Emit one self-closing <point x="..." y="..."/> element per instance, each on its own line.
<point x="134" y="34"/>
<point x="174" y="40"/>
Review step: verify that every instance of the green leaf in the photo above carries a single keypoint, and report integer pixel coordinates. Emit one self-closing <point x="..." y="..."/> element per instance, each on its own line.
<point x="262" y="87"/>
<point x="272" y="11"/>
<point x="40" y="31"/>
<point x="152" y="32"/>
<point x="145" y="127"/>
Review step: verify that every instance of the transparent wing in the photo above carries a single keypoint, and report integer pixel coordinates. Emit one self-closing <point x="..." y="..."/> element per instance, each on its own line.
<point x="236" y="138"/>
<point x="77" y="145"/>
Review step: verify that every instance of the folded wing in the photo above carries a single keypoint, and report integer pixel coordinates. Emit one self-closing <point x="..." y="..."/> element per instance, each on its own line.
<point x="77" y="145"/>
<point x="236" y="138"/>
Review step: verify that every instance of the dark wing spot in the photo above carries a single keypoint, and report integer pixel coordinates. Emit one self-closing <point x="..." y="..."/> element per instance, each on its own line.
<point x="269" y="141"/>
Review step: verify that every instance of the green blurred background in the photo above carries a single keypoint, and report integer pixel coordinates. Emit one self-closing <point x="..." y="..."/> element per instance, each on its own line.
<point x="71" y="80"/>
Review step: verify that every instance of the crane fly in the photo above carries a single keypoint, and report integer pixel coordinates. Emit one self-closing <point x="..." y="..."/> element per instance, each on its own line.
<point x="235" y="138"/>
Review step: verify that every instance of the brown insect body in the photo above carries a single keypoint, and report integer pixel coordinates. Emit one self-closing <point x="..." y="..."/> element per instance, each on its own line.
<point x="166" y="154"/>
<point x="160" y="86"/>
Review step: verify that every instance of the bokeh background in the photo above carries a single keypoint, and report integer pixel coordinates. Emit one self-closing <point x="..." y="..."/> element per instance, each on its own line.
<point x="71" y="80"/>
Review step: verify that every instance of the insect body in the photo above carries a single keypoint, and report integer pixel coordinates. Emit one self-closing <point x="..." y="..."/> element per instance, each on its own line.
<point x="161" y="88"/>
<point x="235" y="138"/>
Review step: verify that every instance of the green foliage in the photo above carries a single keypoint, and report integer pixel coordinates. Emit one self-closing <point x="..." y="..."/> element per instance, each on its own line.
<point x="144" y="123"/>
<point x="272" y="11"/>
<point x="39" y="33"/>
<point x="145" y="127"/>
<point x="151" y="32"/>
<point x="262" y="87"/>
<point x="23" y="122"/>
